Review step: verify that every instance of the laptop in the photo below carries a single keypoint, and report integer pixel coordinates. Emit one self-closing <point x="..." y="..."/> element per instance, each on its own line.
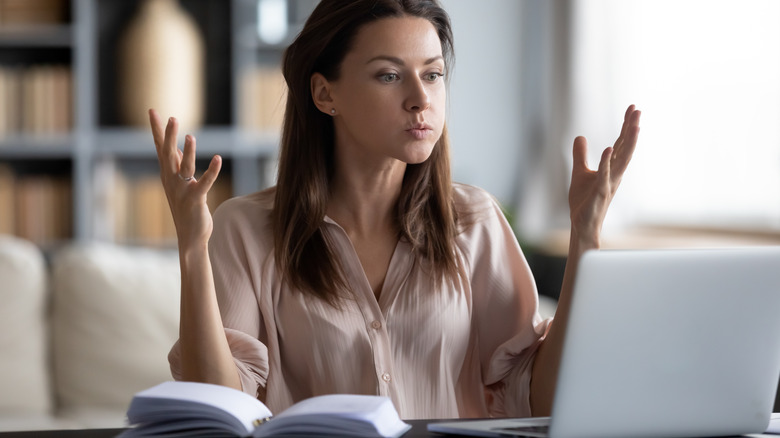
<point x="663" y="343"/>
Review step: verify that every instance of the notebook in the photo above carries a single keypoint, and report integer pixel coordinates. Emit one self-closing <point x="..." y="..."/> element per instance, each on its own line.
<point x="663" y="343"/>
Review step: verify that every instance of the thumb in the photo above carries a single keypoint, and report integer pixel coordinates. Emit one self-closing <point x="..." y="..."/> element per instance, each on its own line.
<point x="580" y="152"/>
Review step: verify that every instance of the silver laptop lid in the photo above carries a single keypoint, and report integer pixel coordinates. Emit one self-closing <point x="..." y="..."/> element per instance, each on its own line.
<point x="671" y="343"/>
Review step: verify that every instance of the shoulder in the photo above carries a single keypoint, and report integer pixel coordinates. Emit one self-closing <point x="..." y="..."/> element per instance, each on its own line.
<point x="482" y="225"/>
<point x="466" y="196"/>
<point x="474" y="205"/>
<point x="257" y="205"/>
<point x="246" y="216"/>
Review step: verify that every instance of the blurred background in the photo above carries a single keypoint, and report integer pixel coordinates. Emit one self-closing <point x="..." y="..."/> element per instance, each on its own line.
<point x="76" y="76"/>
<point x="533" y="75"/>
<point x="78" y="166"/>
<point x="77" y="162"/>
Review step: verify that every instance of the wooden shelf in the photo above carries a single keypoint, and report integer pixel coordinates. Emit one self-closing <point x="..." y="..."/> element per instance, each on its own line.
<point x="38" y="36"/>
<point x="99" y="150"/>
<point x="21" y="146"/>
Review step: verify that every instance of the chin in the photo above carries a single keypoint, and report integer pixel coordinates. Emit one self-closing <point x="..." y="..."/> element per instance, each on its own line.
<point x="418" y="154"/>
<point x="417" y="159"/>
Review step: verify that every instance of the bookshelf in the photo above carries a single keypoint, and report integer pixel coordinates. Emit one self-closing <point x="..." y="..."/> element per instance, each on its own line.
<point x="72" y="169"/>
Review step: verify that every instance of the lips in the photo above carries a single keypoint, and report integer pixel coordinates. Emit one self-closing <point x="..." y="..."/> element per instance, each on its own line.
<point x="420" y="127"/>
<point x="420" y="130"/>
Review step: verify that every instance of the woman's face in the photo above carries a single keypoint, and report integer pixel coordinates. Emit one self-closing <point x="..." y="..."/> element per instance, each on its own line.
<point x="390" y="96"/>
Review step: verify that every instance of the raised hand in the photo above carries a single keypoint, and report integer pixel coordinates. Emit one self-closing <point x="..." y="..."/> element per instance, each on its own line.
<point x="186" y="195"/>
<point x="591" y="192"/>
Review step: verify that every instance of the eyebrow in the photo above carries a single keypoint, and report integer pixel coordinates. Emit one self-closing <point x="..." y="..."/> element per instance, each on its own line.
<point x="399" y="61"/>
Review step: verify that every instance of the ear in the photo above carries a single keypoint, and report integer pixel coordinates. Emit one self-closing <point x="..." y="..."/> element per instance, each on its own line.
<point x="321" y="93"/>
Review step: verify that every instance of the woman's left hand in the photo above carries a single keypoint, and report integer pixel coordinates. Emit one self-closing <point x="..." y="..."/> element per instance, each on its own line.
<point x="591" y="192"/>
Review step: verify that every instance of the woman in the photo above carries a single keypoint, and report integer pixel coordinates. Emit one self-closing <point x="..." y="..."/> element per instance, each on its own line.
<point x="366" y="270"/>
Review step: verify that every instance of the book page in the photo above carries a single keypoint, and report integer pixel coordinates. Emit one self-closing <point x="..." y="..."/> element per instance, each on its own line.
<point x="338" y="415"/>
<point x="246" y="409"/>
<point x="355" y="406"/>
<point x="774" y="424"/>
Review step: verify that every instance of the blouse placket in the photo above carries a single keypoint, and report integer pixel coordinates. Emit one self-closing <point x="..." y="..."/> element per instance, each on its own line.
<point x="373" y="318"/>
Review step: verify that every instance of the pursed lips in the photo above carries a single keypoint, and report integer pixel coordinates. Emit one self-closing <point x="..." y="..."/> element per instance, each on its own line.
<point x="420" y="130"/>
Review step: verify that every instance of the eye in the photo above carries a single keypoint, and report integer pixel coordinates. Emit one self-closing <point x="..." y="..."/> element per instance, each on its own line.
<point x="388" y="77"/>
<point x="432" y="77"/>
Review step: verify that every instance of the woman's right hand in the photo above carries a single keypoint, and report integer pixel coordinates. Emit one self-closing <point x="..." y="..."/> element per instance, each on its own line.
<point x="186" y="195"/>
<point x="205" y="353"/>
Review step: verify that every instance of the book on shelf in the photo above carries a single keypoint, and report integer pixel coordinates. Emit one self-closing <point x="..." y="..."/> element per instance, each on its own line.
<point x="11" y="103"/>
<point x="36" y="99"/>
<point x="43" y="208"/>
<point x="262" y="99"/>
<point x="7" y="200"/>
<point x="36" y="207"/>
<point x="33" y="12"/>
<point x="175" y="409"/>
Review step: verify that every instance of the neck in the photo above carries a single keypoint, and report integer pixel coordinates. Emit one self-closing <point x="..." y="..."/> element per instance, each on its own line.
<point x="363" y="199"/>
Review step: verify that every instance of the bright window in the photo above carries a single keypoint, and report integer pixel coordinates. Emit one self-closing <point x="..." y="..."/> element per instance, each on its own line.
<point x="706" y="74"/>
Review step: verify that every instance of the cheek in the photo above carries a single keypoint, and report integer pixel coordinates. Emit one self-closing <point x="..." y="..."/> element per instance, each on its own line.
<point x="440" y="94"/>
<point x="439" y="106"/>
<point x="368" y="108"/>
<point x="438" y="100"/>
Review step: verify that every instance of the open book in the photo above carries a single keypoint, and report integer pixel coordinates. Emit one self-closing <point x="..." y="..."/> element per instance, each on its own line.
<point x="178" y="409"/>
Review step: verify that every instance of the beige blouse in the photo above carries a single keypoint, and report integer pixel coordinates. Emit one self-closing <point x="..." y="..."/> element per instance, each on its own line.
<point x="464" y="350"/>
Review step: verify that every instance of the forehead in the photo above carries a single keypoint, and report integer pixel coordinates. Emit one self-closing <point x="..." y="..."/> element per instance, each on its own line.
<point x="407" y="38"/>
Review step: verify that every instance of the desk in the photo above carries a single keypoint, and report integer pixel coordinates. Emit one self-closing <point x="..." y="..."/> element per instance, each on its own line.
<point x="418" y="430"/>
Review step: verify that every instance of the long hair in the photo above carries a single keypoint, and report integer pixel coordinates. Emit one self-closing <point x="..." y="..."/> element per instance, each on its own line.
<point x="425" y="212"/>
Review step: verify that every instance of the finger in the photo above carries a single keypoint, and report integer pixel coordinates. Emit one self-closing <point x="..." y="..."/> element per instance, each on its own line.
<point x="623" y="130"/>
<point x="580" y="153"/>
<point x="158" y="133"/>
<point x="605" y="168"/>
<point x="169" y="149"/>
<point x="208" y="178"/>
<point x="630" y="120"/>
<point x="187" y="167"/>
<point x="623" y="155"/>
<point x="626" y="120"/>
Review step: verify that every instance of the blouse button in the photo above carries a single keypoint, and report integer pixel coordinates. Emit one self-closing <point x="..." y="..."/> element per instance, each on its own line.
<point x="386" y="377"/>
<point x="376" y="325"/>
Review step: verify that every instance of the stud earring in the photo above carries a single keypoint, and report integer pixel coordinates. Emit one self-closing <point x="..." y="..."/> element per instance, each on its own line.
<point x="333" y="111"/>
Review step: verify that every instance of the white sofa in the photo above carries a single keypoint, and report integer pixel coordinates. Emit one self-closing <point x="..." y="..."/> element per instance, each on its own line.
<point x="82" y="332"/>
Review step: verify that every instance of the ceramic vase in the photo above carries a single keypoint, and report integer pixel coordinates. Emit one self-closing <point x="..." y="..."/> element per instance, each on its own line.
<point x="161" y="66"/>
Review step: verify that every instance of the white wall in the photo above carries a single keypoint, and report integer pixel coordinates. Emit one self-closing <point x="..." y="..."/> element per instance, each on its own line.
<point x="484" y="100"/>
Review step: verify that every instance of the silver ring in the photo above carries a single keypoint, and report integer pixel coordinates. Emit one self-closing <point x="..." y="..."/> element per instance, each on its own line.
<point x="189" y="178"/>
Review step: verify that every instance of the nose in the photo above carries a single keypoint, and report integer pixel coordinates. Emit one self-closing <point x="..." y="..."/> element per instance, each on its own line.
<point x="418" y="99"/>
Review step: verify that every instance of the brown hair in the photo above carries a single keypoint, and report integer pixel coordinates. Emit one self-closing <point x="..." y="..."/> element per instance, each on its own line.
<point x="425" y="212"/>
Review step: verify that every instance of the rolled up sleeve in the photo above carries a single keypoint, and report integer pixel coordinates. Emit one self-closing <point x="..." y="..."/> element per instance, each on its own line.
<point x="234" y="281"/>
<point x="505" y="316"/>
<point x="249" y="354"/>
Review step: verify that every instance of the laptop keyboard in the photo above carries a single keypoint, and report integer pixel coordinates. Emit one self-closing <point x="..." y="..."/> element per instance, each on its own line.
<point x="518" y="430"/>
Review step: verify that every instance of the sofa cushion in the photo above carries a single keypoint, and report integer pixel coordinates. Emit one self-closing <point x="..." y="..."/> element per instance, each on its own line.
<point x="115" y="317"/>
<point x="25" y="388"/>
